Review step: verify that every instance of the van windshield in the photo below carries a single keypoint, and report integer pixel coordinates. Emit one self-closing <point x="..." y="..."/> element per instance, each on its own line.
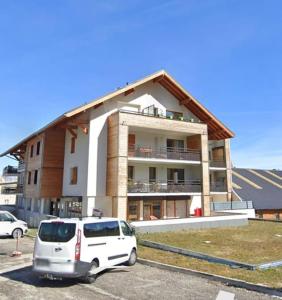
<point x="56" y="232"/>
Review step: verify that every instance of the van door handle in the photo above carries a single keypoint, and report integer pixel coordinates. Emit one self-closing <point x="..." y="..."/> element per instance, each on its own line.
<point x="58" y="249"/>
<point x="121" y="238"/>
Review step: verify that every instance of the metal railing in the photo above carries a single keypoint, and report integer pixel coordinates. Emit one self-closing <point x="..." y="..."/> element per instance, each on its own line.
<point x="231" y="205"/>
<point x="164" y="153"/>
<point x="191" y="186"/>
<point x="218" y="187"/>
<point x="217" y="163"/>
<point x="159" y="114"/>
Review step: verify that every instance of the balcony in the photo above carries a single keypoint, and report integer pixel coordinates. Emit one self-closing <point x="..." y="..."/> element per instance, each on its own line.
<point x="190" y="186"/>
<point x="218" y="187"/>
<point x="164" y="153"/>
<point x="217" y="164"/>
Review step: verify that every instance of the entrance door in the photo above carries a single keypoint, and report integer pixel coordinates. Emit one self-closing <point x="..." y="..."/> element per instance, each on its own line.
<point x="147" y="211"/>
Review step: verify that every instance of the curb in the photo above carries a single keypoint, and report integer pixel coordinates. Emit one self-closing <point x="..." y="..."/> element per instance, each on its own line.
<point x="210" y="258"/>
<point x="225" y="280"/>
<point x="30" y="236"/>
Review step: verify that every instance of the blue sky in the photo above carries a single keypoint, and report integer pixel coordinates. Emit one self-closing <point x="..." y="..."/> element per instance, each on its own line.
<point x="55" y="55"/>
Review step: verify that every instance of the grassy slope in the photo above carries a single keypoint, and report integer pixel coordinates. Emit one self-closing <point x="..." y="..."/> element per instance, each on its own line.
<point x="256" y="243"/>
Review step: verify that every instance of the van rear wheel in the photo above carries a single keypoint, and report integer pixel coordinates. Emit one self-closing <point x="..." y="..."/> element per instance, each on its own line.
<point x="132" y="258"/>
<point x="88" y="278"/>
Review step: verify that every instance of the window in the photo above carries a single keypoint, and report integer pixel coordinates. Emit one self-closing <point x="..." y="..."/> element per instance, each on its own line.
<point x="29" y="178"/>
<point x="73" y="144"/>
<point x="31" y="151"/>
<point x="58" y="232"/>
<point x="73" y="175"/>
<point x="4" y="217"/>
<point x="133" y="208"/>
<point x="173" y="145"/>
<point x="152" y="174"/>
<point x="175" y="175"/>
<point x="35" y="177"/>
<point x="130" y="173"/>
<point x="174" y="115"/>
<point x="101" y="229"/>
<point x="38" y="148"/>
<point x="126" y="230"/>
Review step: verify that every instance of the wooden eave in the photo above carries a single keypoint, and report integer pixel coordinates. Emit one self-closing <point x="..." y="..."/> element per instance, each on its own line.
<point x="216" y="129"/>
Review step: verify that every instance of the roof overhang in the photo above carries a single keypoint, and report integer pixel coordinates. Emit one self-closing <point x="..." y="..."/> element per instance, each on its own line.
<point x="216" y="129"/>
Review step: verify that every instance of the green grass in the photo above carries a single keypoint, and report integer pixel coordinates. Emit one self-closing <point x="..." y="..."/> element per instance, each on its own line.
<point x="32" y="231"/>
<point x="256" y="243"/>
<point x="271" y="277"/>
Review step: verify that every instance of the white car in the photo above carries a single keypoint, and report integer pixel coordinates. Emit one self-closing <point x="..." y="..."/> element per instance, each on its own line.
<point x="80" y="248"/>
<point x="11" y="226"/>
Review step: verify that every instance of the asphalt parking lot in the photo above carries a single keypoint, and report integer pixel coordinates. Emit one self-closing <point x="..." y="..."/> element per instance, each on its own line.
<point x="138" y="282"/>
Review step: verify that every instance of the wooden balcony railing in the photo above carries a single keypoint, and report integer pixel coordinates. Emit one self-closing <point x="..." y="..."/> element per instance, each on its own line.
<point x="164" y="153"/>
<point x="191" y="186"/>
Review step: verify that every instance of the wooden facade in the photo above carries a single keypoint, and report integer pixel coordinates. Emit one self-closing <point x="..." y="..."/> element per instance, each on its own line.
<point x="49" y="164"/>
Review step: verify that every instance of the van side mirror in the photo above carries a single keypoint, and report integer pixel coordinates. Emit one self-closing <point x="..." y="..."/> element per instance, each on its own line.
<point x="132" y="230"/>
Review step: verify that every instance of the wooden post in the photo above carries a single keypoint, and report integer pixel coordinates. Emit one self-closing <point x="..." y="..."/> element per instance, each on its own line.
<point x="205" y="175"/>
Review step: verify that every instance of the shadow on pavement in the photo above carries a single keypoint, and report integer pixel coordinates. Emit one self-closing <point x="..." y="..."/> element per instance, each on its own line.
<point x="26" y="276"/>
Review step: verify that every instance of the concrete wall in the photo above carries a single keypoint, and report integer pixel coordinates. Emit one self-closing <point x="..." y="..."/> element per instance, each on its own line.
<point x="190" y="223"/>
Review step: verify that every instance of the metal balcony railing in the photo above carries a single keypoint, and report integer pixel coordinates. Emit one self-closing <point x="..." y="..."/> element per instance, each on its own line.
<point x="218" y="187"/>
<point x="217" y="163"/>
<point x="159" y="114"/>
<point x="164" y="153"/>
<point x="191" y="186"/>
<point x="215" y="206"/>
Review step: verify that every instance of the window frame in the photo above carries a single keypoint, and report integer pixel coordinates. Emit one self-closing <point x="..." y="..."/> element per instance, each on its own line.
<point x="35" y="177"/>
<point x="38" y="144"/>
<point x="73" y="145"/>
<point x="73" y="175"/>
<point x="31" y="151"/>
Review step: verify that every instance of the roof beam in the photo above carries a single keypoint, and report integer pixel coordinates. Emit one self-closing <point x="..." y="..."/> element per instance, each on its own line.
<point x="71" y="131"/>
<point x="129" y="91"/>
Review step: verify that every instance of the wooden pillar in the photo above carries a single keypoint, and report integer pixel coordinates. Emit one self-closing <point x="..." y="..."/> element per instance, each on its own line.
<point x="164" y="208"/>
<point x="117" y="166"/>
<point x="205" y="175"/>
<point x="141" y="206"/>
<point x="228" y="169"/>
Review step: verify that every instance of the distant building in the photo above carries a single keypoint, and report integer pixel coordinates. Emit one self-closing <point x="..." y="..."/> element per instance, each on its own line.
<point x="262" y="187"/>
<point x="8" y="185"/>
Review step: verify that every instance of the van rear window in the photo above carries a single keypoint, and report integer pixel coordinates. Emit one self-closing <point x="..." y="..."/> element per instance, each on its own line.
<point x="101" y="229"/>
<point x="56" y="232"/>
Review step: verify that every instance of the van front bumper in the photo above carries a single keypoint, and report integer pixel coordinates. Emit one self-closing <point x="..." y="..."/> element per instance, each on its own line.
<point x="60" y="269"/>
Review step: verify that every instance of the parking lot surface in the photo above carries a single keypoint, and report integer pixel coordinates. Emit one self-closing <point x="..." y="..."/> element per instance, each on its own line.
<point x="138" y="282"/>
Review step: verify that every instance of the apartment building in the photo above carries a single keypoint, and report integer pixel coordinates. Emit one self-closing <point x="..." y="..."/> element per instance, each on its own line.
<point x="146" y="151"/>
<point x="8" y="185"/>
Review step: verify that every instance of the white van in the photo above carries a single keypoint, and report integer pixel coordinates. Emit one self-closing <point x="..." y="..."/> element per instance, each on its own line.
<point x="76" y="247"/>
<point x="11" y="226"/>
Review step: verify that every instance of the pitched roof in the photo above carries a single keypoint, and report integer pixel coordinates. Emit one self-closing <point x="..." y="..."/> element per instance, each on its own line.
<point x="259" y="186"/>
<point x="216" y="129"/>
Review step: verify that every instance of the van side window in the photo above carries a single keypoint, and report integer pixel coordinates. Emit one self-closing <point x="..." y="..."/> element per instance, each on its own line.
<point x="125" y="229"/>
<point x="110" y="228"/>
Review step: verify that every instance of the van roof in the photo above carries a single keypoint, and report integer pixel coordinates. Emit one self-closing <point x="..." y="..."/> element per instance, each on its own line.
<point x="83" y="219"/>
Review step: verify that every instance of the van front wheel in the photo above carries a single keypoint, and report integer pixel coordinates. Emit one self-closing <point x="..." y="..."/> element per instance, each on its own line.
<point x="88" y="278"/>
<point x="132" y="258"/>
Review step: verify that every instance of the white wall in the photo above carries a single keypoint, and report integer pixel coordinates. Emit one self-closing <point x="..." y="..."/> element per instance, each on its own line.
<point x="78" y="159"/>
<point x="141" y="171"/>
<point x="91" y="150"/>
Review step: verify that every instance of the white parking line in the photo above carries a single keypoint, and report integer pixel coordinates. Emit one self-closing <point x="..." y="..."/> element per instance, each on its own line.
<point x="222" y="295"/>
<point x="102" y="292"/>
